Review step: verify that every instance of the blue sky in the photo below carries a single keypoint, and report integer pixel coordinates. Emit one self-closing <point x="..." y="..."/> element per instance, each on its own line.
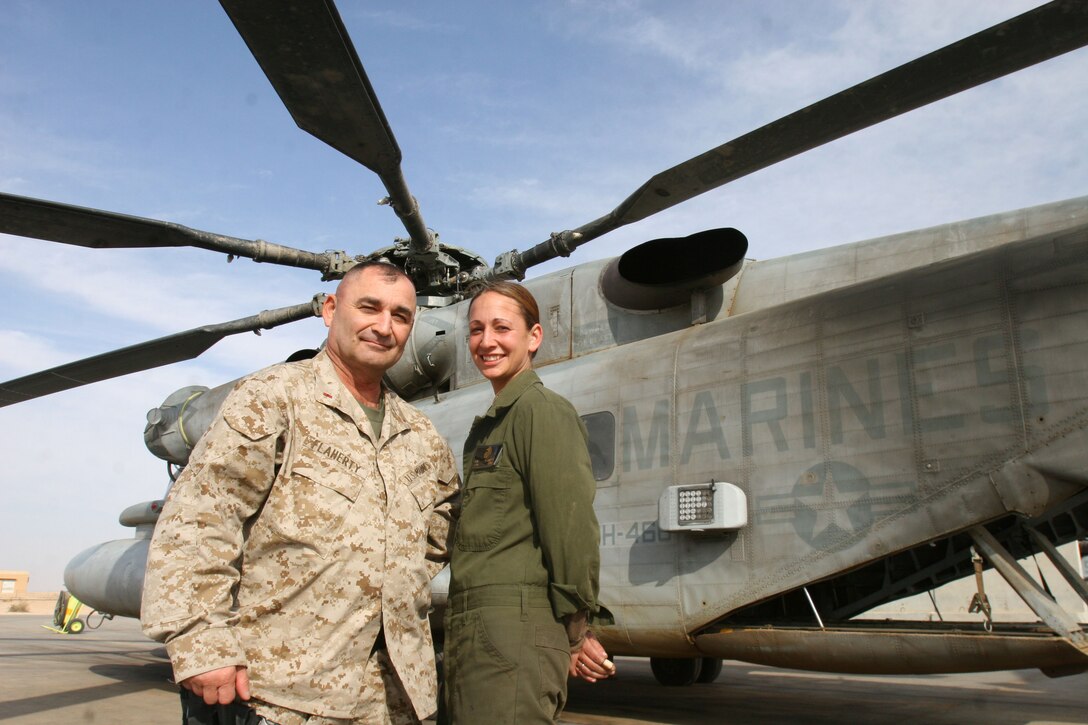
<point x="515" y="120"/>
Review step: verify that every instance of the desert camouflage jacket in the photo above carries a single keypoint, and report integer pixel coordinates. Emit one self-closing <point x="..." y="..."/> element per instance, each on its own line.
<point x="293" y="538"/>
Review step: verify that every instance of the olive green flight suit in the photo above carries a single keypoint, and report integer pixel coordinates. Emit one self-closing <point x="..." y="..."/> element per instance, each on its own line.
<point x="525" y="555"/>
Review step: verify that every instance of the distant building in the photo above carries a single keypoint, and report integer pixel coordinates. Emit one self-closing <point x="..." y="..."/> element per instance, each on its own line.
<point x="15" y="598"/>
<point x="13" y="583"/>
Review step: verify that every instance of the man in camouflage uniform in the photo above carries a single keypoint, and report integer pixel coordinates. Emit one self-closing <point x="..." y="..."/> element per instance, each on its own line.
<point x="292" y="560"/>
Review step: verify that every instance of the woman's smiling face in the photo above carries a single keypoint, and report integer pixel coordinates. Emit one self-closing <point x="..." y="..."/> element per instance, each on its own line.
<point x="501" y="341"/>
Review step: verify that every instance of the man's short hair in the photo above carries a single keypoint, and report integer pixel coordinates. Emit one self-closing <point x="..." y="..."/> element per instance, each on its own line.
<point x="389" y="270"/>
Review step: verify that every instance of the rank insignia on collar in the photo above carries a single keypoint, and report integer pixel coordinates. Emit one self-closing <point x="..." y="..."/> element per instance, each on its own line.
<point x="486" y="456"/>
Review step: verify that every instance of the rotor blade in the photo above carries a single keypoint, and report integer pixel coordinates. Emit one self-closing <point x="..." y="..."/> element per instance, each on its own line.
<point x="1040" y="34"/>
<point x="80" y="226"/>
<point x="308" y="57"/>
<point x="144" y="356"/>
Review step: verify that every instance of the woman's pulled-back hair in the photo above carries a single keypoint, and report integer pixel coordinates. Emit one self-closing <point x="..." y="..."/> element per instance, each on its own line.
<point x="530" y="311"/>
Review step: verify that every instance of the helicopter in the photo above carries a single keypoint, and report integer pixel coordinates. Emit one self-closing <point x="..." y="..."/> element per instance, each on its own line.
<point x="670" y="451"/>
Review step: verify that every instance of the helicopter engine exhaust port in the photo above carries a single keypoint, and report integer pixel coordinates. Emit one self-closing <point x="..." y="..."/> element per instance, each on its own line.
<point x="665" y="272"/>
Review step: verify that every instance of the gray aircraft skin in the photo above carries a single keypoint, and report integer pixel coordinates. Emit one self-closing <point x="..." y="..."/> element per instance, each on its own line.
<point x="779" y="446"/>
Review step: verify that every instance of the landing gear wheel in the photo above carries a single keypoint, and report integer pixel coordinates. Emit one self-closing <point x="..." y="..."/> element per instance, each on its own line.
<point x="75" y="626"/>
<point x="712" y="667"/>
<point x="673" y="672"/>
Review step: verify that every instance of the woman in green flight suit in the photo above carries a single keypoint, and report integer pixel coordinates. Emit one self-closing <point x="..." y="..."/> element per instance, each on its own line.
<point x="525" y="561"/>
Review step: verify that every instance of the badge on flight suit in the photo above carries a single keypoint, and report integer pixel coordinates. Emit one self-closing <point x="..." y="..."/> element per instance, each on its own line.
<point x="486" y="457"/>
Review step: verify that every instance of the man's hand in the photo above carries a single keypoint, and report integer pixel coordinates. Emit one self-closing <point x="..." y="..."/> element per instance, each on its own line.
<point x="219" y="686"/>
<point x="591" y="663"/>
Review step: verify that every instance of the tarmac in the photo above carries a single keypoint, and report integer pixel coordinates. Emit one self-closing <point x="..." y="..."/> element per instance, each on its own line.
<point x="112" y="675"/>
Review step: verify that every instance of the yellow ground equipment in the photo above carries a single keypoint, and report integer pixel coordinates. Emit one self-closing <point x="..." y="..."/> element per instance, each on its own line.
<point x="66" y="615"/>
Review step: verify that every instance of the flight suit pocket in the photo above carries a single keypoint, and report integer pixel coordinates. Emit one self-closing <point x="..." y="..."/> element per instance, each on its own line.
<point x="310" y="506"/>
<point x="553" y="658"/>
<point x="484" y="507"/>
<point x="481" y="662"/>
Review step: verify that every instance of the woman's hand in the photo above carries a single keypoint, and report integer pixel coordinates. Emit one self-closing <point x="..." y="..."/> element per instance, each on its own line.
<point x="591" y="663"/>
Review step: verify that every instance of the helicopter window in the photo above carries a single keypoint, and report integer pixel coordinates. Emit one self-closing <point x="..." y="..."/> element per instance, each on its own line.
<point x="602" y="443"/>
